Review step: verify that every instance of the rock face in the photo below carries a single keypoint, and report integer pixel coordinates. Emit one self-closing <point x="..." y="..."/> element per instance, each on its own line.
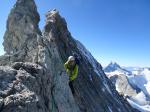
<point x="22" y="31"/>
<point x="119" y="78"/>
<point x="32" y="76"/>
<point x="21" y="88"/>
<point x="122" y="85"/>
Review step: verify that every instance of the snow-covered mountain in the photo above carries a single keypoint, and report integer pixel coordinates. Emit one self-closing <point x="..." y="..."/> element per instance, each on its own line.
<point x="114" y="68"/>
<point x="118" y="76"/>
<point x="138" y="70"/>
<point x="139" y="80"/>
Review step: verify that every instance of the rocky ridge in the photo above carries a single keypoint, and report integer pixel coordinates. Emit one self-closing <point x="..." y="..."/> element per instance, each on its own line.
<point x="32" y="75"/>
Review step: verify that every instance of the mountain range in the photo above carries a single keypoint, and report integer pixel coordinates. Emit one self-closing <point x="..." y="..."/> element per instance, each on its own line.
<point x="114" y="67"/>
<point x="133" y="83"/>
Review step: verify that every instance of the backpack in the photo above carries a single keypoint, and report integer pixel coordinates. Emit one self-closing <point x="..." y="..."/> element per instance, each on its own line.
<point x="77" y="60"/>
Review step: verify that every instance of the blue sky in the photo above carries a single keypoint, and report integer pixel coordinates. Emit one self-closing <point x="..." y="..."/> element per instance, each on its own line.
<point x="112" y="30"/>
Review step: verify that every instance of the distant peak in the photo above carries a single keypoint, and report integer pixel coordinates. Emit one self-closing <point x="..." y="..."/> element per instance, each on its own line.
<point x="112" y="62"/>
<point x="114" y="65"/>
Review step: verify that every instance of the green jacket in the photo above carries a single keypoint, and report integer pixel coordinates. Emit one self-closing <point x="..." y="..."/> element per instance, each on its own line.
<point x="74" y="73"/>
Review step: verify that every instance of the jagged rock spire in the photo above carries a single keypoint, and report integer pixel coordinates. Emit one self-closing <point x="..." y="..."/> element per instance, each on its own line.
<point x="22" y="26"/>
<point x="94" y="92"/>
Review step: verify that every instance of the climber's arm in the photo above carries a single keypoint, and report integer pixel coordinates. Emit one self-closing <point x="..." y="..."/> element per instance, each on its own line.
<point x="66" y="65"/>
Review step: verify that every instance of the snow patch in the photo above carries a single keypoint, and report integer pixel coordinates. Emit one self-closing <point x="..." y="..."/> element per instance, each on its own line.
<point x="89" y="57"/>
<point x="110" y="109"/>
<point x="108" y="89"/>
<point x="94" y="64"/>
<point x="140" y="81"/>
<point x="145" y="108"/>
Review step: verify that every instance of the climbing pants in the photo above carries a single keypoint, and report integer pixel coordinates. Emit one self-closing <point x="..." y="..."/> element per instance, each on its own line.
<point x="71" y="87"/>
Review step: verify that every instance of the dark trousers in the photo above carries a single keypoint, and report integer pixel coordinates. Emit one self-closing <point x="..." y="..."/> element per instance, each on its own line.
<point x="71" y="87"/>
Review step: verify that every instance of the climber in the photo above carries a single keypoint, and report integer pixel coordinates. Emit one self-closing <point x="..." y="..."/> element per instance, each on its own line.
<point x="72" y="70"/>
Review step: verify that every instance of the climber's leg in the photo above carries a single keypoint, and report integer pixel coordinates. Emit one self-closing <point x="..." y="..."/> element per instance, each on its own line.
<point x="71" y="86"/>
